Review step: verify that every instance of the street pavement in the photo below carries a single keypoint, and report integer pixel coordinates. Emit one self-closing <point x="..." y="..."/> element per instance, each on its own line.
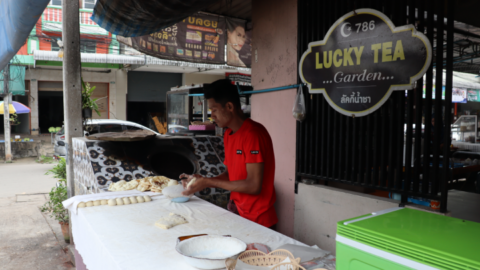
<point x="29" y="239"/>
<point x="25" y="176"/>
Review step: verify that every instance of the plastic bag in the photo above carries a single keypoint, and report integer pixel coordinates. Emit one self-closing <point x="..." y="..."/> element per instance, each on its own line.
<point x="299" y="106"/>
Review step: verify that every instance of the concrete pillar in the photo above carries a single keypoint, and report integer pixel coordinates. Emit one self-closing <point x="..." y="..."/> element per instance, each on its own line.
<point x="121" y="87"/>
<point x="34" y="107"/>
<point x="6" y="115"/>
<point x="112" y="99"/>
<point x="275" y="44"/>
<point x="72" y="87"/>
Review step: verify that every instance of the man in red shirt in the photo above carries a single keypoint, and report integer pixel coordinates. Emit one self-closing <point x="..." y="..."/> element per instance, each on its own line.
<point x="249" y="158"/>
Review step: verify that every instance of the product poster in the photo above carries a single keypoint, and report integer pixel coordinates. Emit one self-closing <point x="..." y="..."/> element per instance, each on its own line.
<point x="239" y="43"/>
<point x="199" y="38"/>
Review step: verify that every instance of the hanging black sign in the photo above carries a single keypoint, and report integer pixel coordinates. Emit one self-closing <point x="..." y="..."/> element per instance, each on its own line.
<point x="362" y="59"/>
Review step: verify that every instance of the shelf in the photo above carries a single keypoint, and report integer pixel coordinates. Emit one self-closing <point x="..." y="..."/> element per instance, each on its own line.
<point x="183" y="116"/>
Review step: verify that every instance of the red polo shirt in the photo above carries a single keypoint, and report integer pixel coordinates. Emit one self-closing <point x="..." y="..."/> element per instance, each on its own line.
<point x="252" y="144"/>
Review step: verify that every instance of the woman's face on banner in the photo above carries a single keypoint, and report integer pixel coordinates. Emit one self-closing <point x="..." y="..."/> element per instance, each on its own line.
<point x="237" y="38"/>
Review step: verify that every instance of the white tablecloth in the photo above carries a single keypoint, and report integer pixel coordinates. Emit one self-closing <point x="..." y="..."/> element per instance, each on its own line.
<point x="124" y="237"/>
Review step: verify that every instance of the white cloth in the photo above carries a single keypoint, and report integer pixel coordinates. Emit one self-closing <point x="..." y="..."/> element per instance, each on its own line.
<point x="125" y="237"/>
<point x="72" y="203"/>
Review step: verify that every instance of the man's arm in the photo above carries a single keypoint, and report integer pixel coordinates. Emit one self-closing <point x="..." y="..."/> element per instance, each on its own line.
<point x="251" y="185"/>
<point x="222" y="177"/>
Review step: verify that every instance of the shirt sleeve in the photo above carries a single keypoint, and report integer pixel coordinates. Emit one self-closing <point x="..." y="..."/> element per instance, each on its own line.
<point x="254" y="148"/>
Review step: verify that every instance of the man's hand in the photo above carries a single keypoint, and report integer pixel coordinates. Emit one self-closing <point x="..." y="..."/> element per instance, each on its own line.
<point x="189" y="178"/>
<point x="199" y="184"/>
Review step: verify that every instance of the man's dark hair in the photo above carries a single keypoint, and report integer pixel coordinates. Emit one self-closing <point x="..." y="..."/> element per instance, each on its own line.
<point x="223" y="91"/>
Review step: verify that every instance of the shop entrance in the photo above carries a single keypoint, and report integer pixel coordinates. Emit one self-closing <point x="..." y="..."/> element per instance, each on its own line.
<point x="50" y="110"/>
<point x="143" y="112"/>
<point x="50" y="103"/>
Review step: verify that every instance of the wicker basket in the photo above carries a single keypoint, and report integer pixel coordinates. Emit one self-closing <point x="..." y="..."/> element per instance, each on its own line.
<point x="258" y="258"/>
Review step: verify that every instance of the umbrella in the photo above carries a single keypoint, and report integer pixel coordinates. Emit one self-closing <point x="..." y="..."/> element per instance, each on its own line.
<point x="15" y="107"/>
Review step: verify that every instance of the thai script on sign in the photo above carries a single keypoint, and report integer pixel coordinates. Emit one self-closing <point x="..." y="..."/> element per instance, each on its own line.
<point x="355" y="99"/>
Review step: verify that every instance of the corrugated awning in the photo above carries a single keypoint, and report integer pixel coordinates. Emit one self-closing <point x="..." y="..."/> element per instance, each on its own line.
<point x="133" y="18"/>
<point x="93" y="58"/>
<point x="17" y="18"/>
<point x="131" y="59"/>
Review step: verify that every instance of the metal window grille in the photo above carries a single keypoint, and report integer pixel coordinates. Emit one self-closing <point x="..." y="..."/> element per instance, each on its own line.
<point x="371" y="151"/>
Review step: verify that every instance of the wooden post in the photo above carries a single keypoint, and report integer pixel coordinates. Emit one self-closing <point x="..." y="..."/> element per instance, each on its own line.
<point x="6" y="115"/>
<point x="72" y="87"/>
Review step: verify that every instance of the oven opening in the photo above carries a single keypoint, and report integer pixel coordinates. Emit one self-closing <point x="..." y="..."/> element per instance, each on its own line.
<point x="171" y="164"/>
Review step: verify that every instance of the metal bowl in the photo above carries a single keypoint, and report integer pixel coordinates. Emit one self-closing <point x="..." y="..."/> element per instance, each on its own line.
<point x="210" y="251"/>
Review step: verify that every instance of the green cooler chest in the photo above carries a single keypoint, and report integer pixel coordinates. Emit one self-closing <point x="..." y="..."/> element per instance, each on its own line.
<point x="403" y="238"/>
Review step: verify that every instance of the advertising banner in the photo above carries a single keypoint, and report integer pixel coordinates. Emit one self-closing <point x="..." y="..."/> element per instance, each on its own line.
<point x="362" y="59"/>
<point x="239" y="78"/>
<point x="199" y="38"/>
<point x="239" y="43"/>
<point x="459" y="95"/>
<point x="433" y="92"/>
<point x="473" y="95"/>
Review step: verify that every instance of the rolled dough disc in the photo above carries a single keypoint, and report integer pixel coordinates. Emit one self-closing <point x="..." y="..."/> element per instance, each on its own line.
<point x="171" y="221"/>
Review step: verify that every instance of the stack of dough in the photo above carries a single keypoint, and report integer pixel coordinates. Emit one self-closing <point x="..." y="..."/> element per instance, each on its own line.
<point x="144" y="184"/>
<point x="171" y="221"/>
<point x="117" y="201"/>
<point x="123" y="185"/>
<point x="158" y="183"/>
<point x="153" y="183"/>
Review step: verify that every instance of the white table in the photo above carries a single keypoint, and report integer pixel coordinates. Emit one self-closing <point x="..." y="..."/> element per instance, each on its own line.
<point x="124" y="237"/>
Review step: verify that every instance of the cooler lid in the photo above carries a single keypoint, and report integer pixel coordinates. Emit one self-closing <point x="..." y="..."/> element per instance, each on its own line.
<point x="440" y="241"/>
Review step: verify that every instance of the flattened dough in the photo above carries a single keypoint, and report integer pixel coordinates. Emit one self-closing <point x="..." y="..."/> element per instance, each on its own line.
<point x="104" y="202"/>
<point x="140" y="199"/>
<point x="81" y="205"/>
<point x="147" y="198"/>
<point x="171" y="221"/>
<point x="96" y="203"/>
<point x="112" y="202"/>
<point x="89" y="204"/>
<point x="133" y="200"/>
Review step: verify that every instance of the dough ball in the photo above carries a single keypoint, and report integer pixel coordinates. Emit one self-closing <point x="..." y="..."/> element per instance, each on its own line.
<point x="119" y="201"/>
<point x="112" y="202"/>
<point x="96" y="203"/>
<point x="89" y="204"/>
<point x="133" y="200"/>
<point x="104" y="202"/>
<point x="147" y="198"/>
<point x="82" y="205"/>
<point x="126" y="200"/>
<point x="140" y="199"/>
<point x="172" y="183"/>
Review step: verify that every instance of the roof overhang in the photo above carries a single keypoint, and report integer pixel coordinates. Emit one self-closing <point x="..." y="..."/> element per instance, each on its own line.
<point x="144" y="63"/>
